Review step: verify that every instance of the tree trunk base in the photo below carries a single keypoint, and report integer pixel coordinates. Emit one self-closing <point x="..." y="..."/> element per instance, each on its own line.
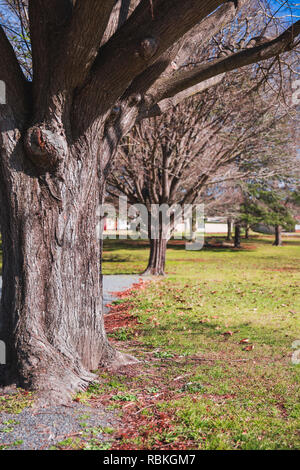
<point x="119" y="360"/>
<point x="61" y="389"/>
<point x="52" y="387"/>
<point x="153" y="272"/>
<point x="58" y="383"/>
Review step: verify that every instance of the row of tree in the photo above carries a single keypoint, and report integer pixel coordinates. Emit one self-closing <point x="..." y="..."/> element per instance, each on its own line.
<point x="82" y="75"/>
<point x="229" y="148"/>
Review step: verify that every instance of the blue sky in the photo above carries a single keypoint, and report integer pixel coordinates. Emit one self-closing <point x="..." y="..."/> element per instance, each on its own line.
<point x="290" y="9"/>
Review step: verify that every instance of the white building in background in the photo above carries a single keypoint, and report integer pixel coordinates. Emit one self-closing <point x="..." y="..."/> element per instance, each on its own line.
<point x="215" y="227"/>
<point x="212" y="225"/>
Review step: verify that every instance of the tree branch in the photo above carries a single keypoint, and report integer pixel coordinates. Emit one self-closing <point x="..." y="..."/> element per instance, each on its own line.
<point x="182" y="80"/>
<point x="47" y="19"/>
<point x="179" y="52"/>
<point x="17" y="87"/>
<point x="66" y="37"/>
<point x="82" y="40"/>
<point x="121" y="11"/>
<point x="137" y="45"/>
<point x="169" y="103"/>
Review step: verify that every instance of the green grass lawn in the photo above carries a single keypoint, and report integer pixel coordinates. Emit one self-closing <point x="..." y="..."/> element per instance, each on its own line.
<point x="225" y="320"/>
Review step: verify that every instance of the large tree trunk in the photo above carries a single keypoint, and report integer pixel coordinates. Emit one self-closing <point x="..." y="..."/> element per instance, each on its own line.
<point x="247" y="229"/>
<point x="51" y="308"/>
<point x="157" y="257"/>
<point x="237" y="235"/>
<point x="88" y="90"/>
<point x="229" y="229"/>
<point x="157" y="235"/>
<point x="278" y="235"/>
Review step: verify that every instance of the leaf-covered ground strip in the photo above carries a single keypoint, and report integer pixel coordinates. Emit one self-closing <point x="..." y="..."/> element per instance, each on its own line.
<point x="215" y="342"/>
<point x="15" y="401"/>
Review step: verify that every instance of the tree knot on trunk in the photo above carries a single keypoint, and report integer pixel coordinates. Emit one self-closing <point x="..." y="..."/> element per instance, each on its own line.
<point x="148" y="48"/>
<point x="114" y="114"/>
<point x="134" y="100"/>
<point x="45" y="148"/>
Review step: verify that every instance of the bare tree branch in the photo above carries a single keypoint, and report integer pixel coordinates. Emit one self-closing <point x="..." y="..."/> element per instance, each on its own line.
<point x="17" y="87"/>
<point x="169" y="103"/>
<point x="47" y="19"/>
<point x="82" y="40"/>
<point x="182" y="50"/>
<point x="185" y="79"/>
<point x="120" y="13"/>
<point x="137" y="45"/>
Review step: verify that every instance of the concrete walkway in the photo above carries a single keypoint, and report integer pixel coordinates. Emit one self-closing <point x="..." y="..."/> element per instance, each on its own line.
<point x="116" y="283"/>
<point x="111" y="284"/>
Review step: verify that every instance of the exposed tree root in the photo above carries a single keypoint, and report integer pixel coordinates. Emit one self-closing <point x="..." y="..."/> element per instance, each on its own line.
<point x="153" y="272"/>
<point x="60" y="387"/>
<point x="58" y="390"/>
<point x="119" y="360"/>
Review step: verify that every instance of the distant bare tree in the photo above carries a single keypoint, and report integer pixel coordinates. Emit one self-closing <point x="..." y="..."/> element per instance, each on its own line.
<point x="230" y="132"/>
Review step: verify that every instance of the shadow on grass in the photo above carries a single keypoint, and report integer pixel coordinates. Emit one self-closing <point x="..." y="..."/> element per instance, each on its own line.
<point x="259" y="335"/>
<point x="213" y="243"/>
<point x="115" y="245"/>
<point x="217" y="247"/>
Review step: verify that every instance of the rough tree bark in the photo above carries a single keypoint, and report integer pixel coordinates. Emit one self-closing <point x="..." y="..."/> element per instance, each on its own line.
<point x="157" y="258"/>
<point x="58" y="135"/>
<point x="51" y="275"/>
<point x="278" y="236"/>
<point x="229" y="229"/>
<point x="237" y="235"/>
<point x="51" y="306"/>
